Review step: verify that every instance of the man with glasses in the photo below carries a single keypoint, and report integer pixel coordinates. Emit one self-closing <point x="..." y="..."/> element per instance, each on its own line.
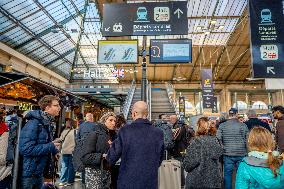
<point x="278" y="113"/>
<point x="36" y="142"/>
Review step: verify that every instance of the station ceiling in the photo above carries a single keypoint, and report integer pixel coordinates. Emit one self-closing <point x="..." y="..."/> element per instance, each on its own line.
<point x="63" y="36"/>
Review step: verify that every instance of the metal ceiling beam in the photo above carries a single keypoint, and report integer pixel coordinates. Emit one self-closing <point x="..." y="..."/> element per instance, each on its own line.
<point x="77" y="51"/>
<point x="49" y="30"/>
<point x="26" y="29"/>
<point x="58" y="58"/>
<point x="193" y="68"/>
<point x="63" y="30"/>
<point x="201" y="48"/>
<point x="240" y="59"/>
<point x="224" y="48"/>
<point x="29" y="15"/>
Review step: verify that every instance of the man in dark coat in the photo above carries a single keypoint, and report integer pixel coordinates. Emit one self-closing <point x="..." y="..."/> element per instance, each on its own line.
<point x="254" y="121"/>
<point x="36" y="143"/>
<point x="278" y="113"/>
<point x="140" y="147"/>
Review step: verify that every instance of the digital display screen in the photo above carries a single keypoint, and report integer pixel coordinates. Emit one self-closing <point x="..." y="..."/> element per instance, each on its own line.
<point x="171" y="51"/>
<point x="113" y="52"/>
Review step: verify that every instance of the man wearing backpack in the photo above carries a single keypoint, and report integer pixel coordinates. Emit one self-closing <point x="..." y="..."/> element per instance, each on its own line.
<point x="36" y="143"/>
<point x="162" y="124"/>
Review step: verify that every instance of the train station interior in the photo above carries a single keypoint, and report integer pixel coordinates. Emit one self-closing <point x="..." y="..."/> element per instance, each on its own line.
<point x="97" y="57"/>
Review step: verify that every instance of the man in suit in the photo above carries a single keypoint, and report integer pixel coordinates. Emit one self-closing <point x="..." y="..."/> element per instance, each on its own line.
<point x="140" y="147"/>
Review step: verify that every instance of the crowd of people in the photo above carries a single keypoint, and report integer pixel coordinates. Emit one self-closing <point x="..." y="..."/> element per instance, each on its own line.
<point x="112" y="153"/>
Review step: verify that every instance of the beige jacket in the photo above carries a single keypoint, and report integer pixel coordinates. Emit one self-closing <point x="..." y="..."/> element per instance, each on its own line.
<point x="68" y="144"/>
<point x="4" y="170"/>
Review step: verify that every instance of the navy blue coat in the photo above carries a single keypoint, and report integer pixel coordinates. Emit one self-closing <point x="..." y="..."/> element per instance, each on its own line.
<point x="35" y="144"/>
<point x="140" y="147"/>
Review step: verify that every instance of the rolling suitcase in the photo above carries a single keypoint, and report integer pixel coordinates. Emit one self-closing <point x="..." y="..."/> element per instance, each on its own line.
<point x="170" y="174"/>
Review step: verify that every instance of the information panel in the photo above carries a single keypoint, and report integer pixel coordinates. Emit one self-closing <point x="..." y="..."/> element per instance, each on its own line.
<point x="267" y="38"/>
<point x="155" y="18"/>
<point x="207" y="88"/>
<point x="170" y="51"/>
<point x="112" y="52"/>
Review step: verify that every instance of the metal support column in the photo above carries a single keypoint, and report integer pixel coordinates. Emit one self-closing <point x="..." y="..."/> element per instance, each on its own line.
<point x="144" y="72"/>
<point x="282" y="98"/>
<point x="236" y="100"/>
<point x="16" y="160"/>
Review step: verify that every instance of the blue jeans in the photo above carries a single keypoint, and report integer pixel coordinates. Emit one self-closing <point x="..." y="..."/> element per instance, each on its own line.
<point x="32" y="182"/>
<point x="67" y="169"/>
<point x="230" y="162"/>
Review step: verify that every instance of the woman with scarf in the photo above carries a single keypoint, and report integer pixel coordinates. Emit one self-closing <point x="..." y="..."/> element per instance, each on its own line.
<point x="96" y="145"/>
<point x="263" y="168"/>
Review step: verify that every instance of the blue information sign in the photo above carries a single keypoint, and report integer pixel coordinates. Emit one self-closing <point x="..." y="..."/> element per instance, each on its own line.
<point x="170" y="51"/>
<point x="155" y="18"/>
<point x="267" y="38"/>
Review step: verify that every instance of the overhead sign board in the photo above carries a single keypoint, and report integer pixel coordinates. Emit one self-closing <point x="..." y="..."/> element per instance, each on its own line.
<point x="207" y="88"/>
<point x="267" y="38"/>
<point x="155" y="18"/>
<point x="112" y="52"/>
<point x="170" y="51"/>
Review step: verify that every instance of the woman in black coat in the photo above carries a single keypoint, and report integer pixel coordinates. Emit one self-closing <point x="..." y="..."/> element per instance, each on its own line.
<point x="202" y="158"/>
<point x="96" y="145"/>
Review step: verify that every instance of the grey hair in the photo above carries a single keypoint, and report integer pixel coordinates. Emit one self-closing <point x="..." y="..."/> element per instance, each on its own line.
<point x="105" y="116"/>
<point x="251" y="113"/>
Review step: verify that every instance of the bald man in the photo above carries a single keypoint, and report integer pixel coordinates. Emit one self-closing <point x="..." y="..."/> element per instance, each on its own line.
<point x="87" y="126"/>
<point x="140" y="147"/>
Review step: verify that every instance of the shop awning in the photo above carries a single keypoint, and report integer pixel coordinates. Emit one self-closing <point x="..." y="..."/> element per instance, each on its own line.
<point x="20" y="86"/>
<point x="8" y="78"/>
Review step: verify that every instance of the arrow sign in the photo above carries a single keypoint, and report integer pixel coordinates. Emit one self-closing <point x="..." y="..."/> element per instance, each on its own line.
<point x="107" y="29"/>
<point x="178" y="12"/>
<point x="270" y="69"/>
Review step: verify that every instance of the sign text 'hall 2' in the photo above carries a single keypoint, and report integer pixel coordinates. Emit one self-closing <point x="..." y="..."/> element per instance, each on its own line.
<point x="160" y="18"/>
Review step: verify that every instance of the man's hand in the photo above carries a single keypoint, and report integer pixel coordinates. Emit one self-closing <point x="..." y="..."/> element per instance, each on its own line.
<point x="56" y="144"/>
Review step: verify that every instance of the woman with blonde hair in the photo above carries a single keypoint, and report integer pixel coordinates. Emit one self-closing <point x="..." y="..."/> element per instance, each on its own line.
<point x="96" y="145"/>
<point x="202" y="158"/>
<point x="263" y="168"/>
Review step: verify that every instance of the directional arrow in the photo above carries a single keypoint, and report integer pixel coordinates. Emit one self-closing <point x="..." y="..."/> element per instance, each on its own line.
<point x="270" y="69"/>
<point x="107" y="29"/>
<point x="178" y="12"/>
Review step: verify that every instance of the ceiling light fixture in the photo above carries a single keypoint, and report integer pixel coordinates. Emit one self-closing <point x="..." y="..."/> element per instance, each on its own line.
<point x="207" y="32"/>
<point x="213" y="22"/>
<point x="221" y="27"/>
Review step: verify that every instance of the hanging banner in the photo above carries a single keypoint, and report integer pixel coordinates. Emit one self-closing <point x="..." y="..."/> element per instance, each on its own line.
<point x="181" y="107"/>
<point x="267" y="38"/>
<point x="207" y="88"/>
<point x="154" y="18"/>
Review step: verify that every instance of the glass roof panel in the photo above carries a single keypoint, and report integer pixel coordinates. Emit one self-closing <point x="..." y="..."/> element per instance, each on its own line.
<point x="49" y="58"/>
<point x="5" y="23"/>
<point x="30" y="46"/>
